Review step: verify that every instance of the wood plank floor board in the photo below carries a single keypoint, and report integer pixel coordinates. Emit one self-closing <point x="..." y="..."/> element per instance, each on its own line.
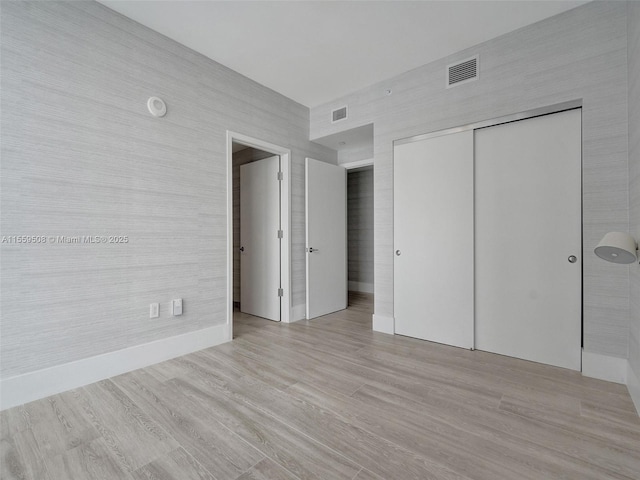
<point x="595" y="454"/>
<point x="338" y="359"/>
<point x="299" y="366"/>
<point x="622" y="436"/>
<point x="328" y="399"/>
<point x="89" y="461"/>
<point x="273" y="373"/>
<point x="373" y="452"/>
<point x="365" y="474"/>
<point x="63" y="426"/>
<point x="176" y="465"/>
<point x="267" y="469"/>
<point x="515" y="370"/>
<point x="295" y="451"/>
<point x="478" y="457"/>
<point x="609" y="414"/>
<point x="21" y="459"/>
<point x="14" y="420"/>
<point x="133" y="437"/>
<point x="435" y="444"/>
<point x="218" y="449"/>
<point x="472" y="374"/>
<point x="333" y="374"/>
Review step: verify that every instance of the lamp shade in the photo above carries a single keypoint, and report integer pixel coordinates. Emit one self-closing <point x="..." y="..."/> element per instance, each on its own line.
<point x="617" y="247"/>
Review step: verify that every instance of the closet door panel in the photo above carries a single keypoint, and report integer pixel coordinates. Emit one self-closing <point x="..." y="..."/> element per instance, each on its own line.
<point x="528" y="227"/>
<point x="433" y="239"/>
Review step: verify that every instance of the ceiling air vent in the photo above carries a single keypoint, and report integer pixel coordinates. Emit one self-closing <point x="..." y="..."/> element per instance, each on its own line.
<point x="338" y="114"/>
<point x="462" y="72"/>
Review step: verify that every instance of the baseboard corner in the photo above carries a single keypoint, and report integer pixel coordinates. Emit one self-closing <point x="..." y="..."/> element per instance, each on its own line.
<point x="633" y="385"/>
<point x="604" y="367"/>
<point x="298" y="312"/>
<point x="383" y="324"/>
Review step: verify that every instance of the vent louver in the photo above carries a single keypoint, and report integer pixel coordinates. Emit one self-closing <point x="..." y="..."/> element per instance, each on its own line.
<point x="338" y="114"/>
<point x="462" y="72"/>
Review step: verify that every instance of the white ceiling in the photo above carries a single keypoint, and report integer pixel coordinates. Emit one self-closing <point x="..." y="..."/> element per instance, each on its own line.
<point x="317" y="51"/>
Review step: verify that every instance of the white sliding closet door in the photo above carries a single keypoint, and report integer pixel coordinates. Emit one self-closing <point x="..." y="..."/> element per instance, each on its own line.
<point x="528" y="232"/>
<point x="433" y="239"/>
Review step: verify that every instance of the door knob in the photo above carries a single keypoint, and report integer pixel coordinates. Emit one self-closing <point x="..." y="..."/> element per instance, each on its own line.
<point x="242" y="249"/>
<point x="572" y="259"/>
<point x="398" y="253"/>
<point x="311" y="249"/>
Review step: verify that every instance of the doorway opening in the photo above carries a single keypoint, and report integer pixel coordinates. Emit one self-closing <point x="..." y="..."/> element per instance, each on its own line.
<point x="266" y="260"/>
<point x="360" y="259"/>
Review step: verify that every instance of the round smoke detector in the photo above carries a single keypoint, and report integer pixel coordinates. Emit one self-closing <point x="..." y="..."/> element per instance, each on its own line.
<point x="157" y="107"/>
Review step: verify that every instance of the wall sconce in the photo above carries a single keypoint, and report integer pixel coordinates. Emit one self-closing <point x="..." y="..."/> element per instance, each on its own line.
<point x="617" y="247"/>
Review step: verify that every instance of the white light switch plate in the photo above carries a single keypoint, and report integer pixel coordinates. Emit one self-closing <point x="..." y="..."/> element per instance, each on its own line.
<point x="154" y="310"/>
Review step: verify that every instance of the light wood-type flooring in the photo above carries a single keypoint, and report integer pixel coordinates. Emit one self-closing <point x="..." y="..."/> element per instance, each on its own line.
<point x="329" y="399"/>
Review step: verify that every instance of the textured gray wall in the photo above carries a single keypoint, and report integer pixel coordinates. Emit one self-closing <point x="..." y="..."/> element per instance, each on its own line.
<point x="82" y="156"/>
<point x="360" y="226"/>
<point x="633" y="18"/>
<point x="348" y="155"/>
<point x="580" y="54"/>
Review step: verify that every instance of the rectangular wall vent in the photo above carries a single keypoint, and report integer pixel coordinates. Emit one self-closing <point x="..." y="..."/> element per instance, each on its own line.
<point x="462" y="72"/>
<point x="338" y="114"/>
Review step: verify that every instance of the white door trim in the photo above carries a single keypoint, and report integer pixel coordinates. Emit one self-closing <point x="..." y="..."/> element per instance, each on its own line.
<point x="285" y="211"/>
<point x="536" y="112"/>
<point x="357" y="164"/>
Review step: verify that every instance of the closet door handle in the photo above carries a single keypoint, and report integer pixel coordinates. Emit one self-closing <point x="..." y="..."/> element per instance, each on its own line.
<point x="398" y="253"/>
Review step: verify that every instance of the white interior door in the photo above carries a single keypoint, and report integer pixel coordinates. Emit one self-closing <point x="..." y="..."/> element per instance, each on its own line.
<point x="433" y="239"/>
<point x="528" y="225"/>
<point x="260" y="243"/>
<point x="326" y="237"/>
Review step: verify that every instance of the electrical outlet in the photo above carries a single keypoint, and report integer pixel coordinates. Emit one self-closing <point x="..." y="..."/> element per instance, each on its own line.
<point x="177" y="307"/>
<point x="154" y="310"/>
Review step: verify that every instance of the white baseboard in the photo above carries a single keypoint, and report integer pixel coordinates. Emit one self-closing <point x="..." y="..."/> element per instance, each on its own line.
<point x="361" y="287"/>
<point x="298" y="312"/>
<point x="604" y="367"/>
<point x="49" y="381"/>
<point x="383" y="324"/>
<point x="633" y="385"/>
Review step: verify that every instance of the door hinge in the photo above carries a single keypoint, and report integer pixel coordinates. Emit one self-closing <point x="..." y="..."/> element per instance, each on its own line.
<point x="280" y="176"/>
<point x="280" y="234"/>
<point x="280" y="292"/>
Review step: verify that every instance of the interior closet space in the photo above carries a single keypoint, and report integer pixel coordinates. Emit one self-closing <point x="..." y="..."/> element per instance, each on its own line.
<point x="360" y="229"/>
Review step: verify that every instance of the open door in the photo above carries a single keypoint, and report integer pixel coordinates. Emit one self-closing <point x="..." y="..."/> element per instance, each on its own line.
<point x="260" y="238"/>
<point x="326" y="237"/>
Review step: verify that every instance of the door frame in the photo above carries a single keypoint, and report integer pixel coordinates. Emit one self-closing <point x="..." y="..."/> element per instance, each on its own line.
<point x="536" y="112"/>
<point x="285" y="222"/>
